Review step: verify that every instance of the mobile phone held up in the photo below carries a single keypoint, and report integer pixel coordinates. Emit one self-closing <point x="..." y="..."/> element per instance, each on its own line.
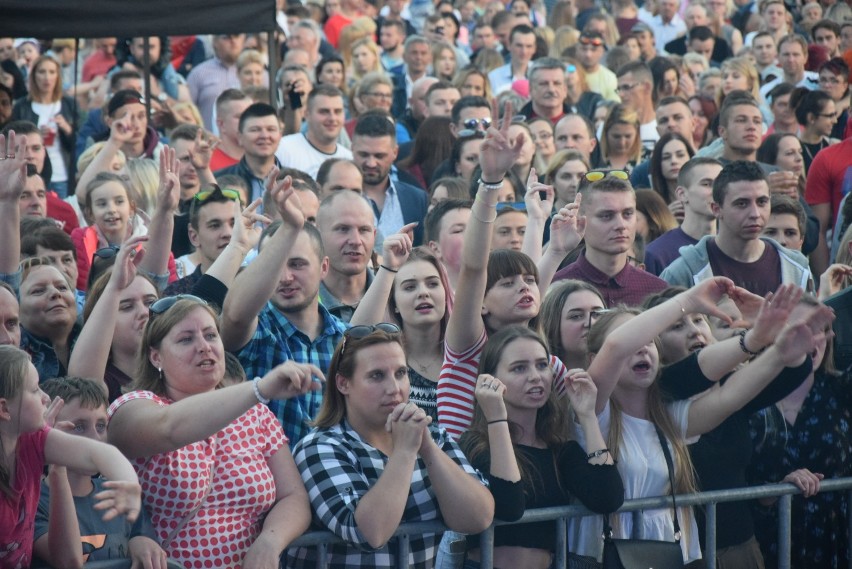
<point x="295" y="98"/>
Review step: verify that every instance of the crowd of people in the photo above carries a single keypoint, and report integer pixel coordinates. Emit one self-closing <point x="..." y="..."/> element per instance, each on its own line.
<point x="455" y="261"/>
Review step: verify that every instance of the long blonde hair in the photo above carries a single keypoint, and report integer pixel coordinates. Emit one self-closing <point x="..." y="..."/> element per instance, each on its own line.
<point x="13" y="370"/>
<point x="747" y="68"/>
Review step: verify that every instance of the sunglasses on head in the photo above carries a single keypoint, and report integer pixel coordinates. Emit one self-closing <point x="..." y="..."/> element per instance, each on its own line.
<point x="472" y="123"/>
<point x="164" y="304"/>
<point x="597" y="42"/>
<point x="230" y="194"/>
<point x="596" y="175"/>
<point x="107" y="253"/>
<point x="358" y="332"/>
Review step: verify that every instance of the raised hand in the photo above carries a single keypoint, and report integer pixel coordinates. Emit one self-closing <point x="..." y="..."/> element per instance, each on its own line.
<point x="202" y="154"/>
<point x="748" y="303"/>
<point x="291" y="380"/>
<point x="120" y="132"/>
<point x="120" y="498"/>
<point x="126" y="262"/>
<point x="247" y="232"/>
<point x="581" y="392"/>
<point x="832" y="280"/>
<point x="13" y="167"/>
<point x="537" y="207"/>
<point x="774" y="313"/>
<point x="489" y="396"/>
<point x="498" y="153"/>
<point x="784" y="183"/>
<point x="286" y="199"/>
<point x="567" y="227"/>
<point x="168" y="194"/>
<point x="678" y="210"/>
<point x="800" y="338"/>
<point x="397" y="247"/>
<point x="705" y="296"/>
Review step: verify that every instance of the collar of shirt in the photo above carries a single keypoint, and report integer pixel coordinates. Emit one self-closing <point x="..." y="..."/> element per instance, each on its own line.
<point x="330" y="324"/>
<point x="593" y="274"/>
<point x="330" y="302"/>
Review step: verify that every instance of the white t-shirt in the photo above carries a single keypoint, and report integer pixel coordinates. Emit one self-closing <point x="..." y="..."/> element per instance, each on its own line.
<point x="649" y="134"/>
<point x="294" y="151"/>
<point x="45" y="113"/>
<point x="643" y="470"/>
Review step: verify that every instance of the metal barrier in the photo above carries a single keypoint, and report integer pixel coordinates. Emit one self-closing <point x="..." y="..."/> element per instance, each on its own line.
<point x="785" y="492"/>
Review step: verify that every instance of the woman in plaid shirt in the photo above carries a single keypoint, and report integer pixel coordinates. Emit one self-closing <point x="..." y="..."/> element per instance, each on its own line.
<point x="375" y="461"/>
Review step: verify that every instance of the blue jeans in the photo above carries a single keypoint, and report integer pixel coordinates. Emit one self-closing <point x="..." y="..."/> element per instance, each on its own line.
<point x="61" y="189"/>
<point x="451" y="551"/>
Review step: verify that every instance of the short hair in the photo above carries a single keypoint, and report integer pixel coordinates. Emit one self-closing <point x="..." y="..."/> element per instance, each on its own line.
<point x="498" y="20"/>
<point x="439" y="86"/>
<point x="468" y="102"/>
<point x="794" y="38"/>
<point x="733" y="172"/>
<point x="256" y="110"/>
<point x="521" y="29"/>
<point x="763" y="34"/>
<point x="48" y="237"/>
<point x="398" y="24"/>
<point x="323" y="91"/>
<point x="91" y="394"/>
<point x="606" y="184"/>
<point x="806" y="102"/>
<point x="310" y="25"/>
<point x="195" y="206"/>
<point x="785" y="205"/>
<point x="119" y="76"/>
<point x="301" y="179"/>
<point x="416" y="38"/>
<point x="673" y="99"/>
<point x="837" y="66"/>
<point x="639" y="70"/>
<point x="684" y="177"/>
<point x="701" y="33"/>
<point x="248" y="57"/>
<point x="779" y="91"/>
<point x="297" y="11"/>
<point x="227" y="96"/>
<point x="542" y="64"/>
<point x="325" y="169"/>
<point x="736" y="99"/>
<point x="829" y="25"/>
<point x="185" y="132"/>
<point x="323" y="215"/>
<point x="436" y="216"/>
<point x="21" y="127"/>
<point x="375" y="123"/>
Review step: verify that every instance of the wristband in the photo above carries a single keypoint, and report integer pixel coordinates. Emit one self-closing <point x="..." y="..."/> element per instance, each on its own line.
<point x="743" y="346"/>
<point x="491" y="185"/>
<point x="498" y="421"/>
<point x="388" y="269"/>
<point x="597" y="453"/>
<point x="260" y="397"/>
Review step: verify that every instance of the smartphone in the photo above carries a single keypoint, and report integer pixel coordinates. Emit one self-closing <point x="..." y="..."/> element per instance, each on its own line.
<point x="295" y="99"/>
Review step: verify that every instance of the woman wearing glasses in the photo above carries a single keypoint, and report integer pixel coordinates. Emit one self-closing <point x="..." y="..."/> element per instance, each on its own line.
<point x="817" y="114"/>
<point x="376" y="461"/>
<point x="834" y="80"/>
<point x="229" y="474"/>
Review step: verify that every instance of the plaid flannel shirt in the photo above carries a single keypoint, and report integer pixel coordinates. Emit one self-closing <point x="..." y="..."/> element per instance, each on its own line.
<point x="338" y="468"/>
<point x="275" y="341"/>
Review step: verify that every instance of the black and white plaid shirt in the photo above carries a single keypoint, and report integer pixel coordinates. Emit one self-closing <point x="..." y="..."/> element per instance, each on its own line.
<point x="338" y="467"/>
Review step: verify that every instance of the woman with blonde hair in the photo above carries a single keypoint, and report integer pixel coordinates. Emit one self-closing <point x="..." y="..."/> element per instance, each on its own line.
<point x="488" y="59"/>
<point x="740" y="74"/>
<point x="144" y="180"/>
<point x="562" y="14"/>
<point x="363" y="27"/>
<point x="444" y="61"/>
<point x="472" y="81"/>
<point x="565" y="38"/>
<point x="621" y="144"/>
<point x="365" y="58"/>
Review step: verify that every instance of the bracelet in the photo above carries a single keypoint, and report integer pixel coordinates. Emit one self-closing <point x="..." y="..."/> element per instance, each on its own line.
<point x="388" y="269"/>
<point x="257" y="393"/>
<point x="498" y="421"/>
<point x="479" y="219"/>
<point x="491" y="185"/>
<point x="743" y="346"/>
<point x="597" y="453"/>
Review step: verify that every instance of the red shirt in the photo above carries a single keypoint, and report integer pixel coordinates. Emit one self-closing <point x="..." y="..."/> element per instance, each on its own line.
<point x="630" y="286"/>
<point x="221" y="160"/>
<point x="830" y="176"/>
<point x="97" y="64"/>
<point x="17" y="516"/>
<point x="333" y="26"/>
<point x="62" y="212"/>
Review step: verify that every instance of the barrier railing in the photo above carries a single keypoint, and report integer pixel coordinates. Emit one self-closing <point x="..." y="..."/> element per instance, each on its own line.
<point x="784" y="492"/>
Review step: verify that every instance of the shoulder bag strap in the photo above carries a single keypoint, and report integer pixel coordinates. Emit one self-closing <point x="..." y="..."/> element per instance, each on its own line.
<point x="669" y="464"/>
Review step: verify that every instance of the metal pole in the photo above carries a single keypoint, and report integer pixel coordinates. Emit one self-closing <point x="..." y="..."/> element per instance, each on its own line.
<point x="486" y="548"/>
<point x="272" y="49"/>
<point x="146" y="63"/>
<point x="322" y="556"/>
<point x="561" y="543"/>
<point x="849" y="528"/>
<point x="402" y="555"/>
<point x="785" y="508"/>
<point x="710" y="534"/>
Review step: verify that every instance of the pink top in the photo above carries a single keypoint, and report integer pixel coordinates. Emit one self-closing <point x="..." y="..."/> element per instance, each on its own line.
<point x="457" y="383"/>
<point x="17" y="516"/>
<point x="243" y="489"/>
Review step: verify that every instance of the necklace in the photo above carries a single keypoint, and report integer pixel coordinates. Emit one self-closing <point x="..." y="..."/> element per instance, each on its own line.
<point x="424" y="367"/>
<point x="807" y="148"/>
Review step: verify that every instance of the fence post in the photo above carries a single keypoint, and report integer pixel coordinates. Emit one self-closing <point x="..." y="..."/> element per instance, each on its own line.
<point x="710" y="534"/>
<point x="561" y="543"/>
<point x="486" y="548"/>
<point x="322" y="556"/>
<point x="403" y="550"/>
<point x="785" y="508"/>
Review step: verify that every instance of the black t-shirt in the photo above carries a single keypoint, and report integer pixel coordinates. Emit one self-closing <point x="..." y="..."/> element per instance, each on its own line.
<point x="760" y="277"/>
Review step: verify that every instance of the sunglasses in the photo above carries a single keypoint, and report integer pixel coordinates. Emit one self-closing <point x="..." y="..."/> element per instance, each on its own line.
<point x="596" y="175"/>
<point x="468" y="133"/>
<point x="597" y="42"/>
<point x="472" y="123"/>
<point x="164" y="304"/>
<point x="106" y="253"/>
<point x="358" y="332"/>
<point x="230" y="194"/>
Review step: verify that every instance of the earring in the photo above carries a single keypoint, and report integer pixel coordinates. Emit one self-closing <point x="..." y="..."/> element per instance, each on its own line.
<point x="160" y="371"/>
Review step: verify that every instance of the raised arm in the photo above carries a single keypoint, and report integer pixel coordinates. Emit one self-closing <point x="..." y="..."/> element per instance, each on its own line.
<point x="63" y="529"/>
<point x="626" y="339"/>
<point x="142" y="428"/>
<point x="373" y="308"/>
<point x="244" y="238"/>
<point x="255" y="285"/>
<point x="158" y="248"/>
<point x="496" y="156"/>
<point x="13" y="177"/>
<point x="91" y="351"/>
<point x="538" y="210"/>
<point x="119" y="133"/>
<point x="794" y="343"/>
<point x="205" y="144"/>
<point x="566" y="231"/>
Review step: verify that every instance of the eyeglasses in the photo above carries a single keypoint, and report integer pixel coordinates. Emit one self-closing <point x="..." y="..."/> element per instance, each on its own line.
<point x="828" y="115"/>
<point x="472" y="123"/>
<point x="164" y="304"/>
<point x="625" y="88"/>
<point x="106" y="253"/>
<point x="230" y="194"/>
<point x="597" y="42"/>
<point x="358" y="332"/>
<point x="596" y="175"/>
<point x="386" y="96"/>
<point x="830" y="80"/>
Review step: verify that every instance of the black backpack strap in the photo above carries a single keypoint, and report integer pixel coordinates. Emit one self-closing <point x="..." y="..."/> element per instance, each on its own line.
<point x="664" y="443"/>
